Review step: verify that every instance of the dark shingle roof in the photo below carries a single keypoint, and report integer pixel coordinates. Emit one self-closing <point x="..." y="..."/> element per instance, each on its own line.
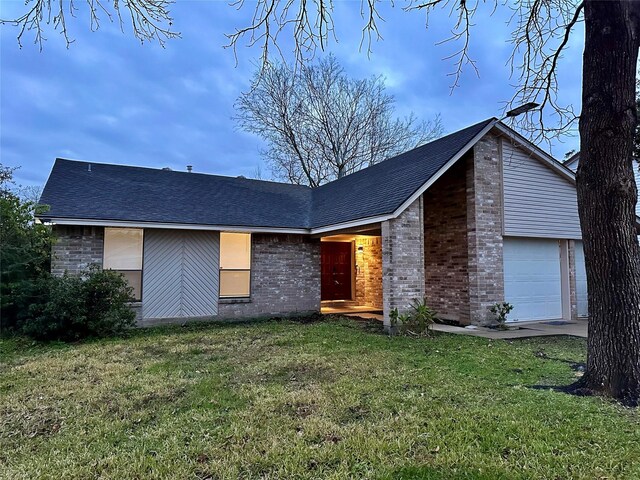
<point x="115" y="192"/>
<point x="382" y="188"/>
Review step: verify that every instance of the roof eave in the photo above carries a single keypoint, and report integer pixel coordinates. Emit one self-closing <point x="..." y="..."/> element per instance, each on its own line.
<point x="173" y="226"/>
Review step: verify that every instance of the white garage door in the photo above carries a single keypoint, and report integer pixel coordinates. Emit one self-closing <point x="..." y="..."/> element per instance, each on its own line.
<point x="581" y="281"/>
<point x="532" y="280"/>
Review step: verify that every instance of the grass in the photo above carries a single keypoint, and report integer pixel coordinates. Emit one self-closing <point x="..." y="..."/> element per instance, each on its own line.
<point x="332" y="399"/>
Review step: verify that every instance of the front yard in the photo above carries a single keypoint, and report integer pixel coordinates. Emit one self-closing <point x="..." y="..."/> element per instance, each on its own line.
<point x="332" y="399"/>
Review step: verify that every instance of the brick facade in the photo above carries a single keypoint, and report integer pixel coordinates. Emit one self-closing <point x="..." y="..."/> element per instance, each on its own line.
<point x="484" y="229"/>
<point x="403" y="260"/>
<point x="573" y="299"/>
<point x="369" y="271"/>
<point x="285" y="278"/>
<point x="285" y="273"/>
<point x="75" y="248"/>
<point x="445" y="242"/>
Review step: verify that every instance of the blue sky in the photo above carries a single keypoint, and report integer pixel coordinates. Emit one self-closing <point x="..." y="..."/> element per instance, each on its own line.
<point x="107" y="98"/>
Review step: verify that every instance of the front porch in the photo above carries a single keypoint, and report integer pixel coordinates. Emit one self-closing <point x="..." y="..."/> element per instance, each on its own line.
<point x="375" y="268"/>
<point x="351" y="272"/>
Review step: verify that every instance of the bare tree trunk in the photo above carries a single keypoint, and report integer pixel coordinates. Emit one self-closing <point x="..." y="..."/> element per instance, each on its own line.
<point x="607" y="197"/>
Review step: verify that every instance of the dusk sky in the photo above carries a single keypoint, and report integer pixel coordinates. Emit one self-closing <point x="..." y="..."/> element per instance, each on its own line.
<point x="107" y="98"/>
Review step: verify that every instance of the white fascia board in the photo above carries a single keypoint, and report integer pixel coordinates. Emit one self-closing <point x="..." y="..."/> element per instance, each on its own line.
<point x="173" y="226"/>
<point x="444" y="168"/>
<point x="354" y="223"/>
<point x="536" y="151"/>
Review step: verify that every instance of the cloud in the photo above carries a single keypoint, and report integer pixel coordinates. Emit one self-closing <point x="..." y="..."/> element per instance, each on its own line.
<point x="108" y="98"/>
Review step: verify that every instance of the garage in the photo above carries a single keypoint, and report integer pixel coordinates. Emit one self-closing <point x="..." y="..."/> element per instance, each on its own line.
<point x="581" y="281"/>
<point x="532" y="278"/>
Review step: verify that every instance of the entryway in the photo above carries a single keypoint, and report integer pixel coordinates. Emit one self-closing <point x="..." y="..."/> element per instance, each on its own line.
<point x="336" y="270"/>
<point x="351" y="273"/>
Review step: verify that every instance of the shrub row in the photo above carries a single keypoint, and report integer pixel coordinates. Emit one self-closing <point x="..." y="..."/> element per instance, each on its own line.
<point x="94" y="304"/>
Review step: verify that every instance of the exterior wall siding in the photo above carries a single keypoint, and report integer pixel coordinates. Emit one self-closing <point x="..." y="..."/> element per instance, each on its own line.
<point x="445" y="242"/>
<point x="76" y="248"/>
<point x="180" y="274"/>
<point x="369" y="271"/>
<point x="537" y="201"/>
<point x="403" y="260"/>
<point x="484" y="230"/>
<point x="285" y="278"/>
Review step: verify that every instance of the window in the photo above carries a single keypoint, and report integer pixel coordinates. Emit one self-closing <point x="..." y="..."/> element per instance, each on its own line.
<point x="235" y="264"/>
<point x="123" y="253"/>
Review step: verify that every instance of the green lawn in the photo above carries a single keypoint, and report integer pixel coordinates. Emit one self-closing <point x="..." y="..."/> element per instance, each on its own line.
<point x="332" y="399"/>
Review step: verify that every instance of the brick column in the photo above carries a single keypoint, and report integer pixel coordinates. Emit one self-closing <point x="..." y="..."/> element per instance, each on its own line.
<point x="403" y="260"/>
<point x="572" y="279"/>
<point x="484" y="229"/>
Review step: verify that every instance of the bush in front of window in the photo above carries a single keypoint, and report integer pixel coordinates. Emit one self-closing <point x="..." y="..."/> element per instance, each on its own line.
<point x="68" y="308"/>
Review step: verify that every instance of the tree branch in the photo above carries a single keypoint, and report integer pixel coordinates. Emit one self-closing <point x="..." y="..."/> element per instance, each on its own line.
<point x="150" y="19"/>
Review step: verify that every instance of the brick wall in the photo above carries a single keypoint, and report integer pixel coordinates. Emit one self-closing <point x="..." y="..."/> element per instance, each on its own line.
<point x="403" y="260"/>
<point x="484" y="229"/>
<point x="445" y="243"/>
<point x="369" y="271"/>
<point x="76" y="248"/>
<point x="573" y="299"/>
<point x="285" y="277"/>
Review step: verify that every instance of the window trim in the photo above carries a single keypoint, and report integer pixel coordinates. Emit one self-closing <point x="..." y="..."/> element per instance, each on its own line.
<point x="134" y="299"/>
<point x="230" y="298"/>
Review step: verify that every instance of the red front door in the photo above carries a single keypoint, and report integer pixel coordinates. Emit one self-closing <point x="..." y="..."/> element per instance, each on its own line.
<point x="336" y="270"/>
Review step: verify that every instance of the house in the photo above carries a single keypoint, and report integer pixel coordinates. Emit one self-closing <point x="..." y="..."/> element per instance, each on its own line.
<point x="473" y="218"/>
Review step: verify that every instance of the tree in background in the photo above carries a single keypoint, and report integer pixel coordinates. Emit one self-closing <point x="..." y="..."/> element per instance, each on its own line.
<point x="320" y="124"/>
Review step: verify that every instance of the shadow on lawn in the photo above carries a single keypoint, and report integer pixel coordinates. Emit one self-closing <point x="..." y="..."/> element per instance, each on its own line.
<point x="575" y="388"/>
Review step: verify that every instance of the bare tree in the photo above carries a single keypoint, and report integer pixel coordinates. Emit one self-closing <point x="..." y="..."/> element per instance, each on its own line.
<point x="320" y="124"/>
<point x="150" y="20"/>
<point x="30" y="193"/>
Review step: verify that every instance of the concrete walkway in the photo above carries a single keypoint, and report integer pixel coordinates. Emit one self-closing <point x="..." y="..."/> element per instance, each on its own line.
<point x="525" y="330"/>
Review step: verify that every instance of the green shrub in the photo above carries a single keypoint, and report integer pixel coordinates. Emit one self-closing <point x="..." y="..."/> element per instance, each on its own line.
<point x="417" y="321"/>
<point x="94" y="304"/>
<point x="501" y="310"/>
<point x="25" y="251"/>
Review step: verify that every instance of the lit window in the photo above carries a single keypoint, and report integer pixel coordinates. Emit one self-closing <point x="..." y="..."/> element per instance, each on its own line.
<point x="235" y="264"/>
<point x="123" y="253"/>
